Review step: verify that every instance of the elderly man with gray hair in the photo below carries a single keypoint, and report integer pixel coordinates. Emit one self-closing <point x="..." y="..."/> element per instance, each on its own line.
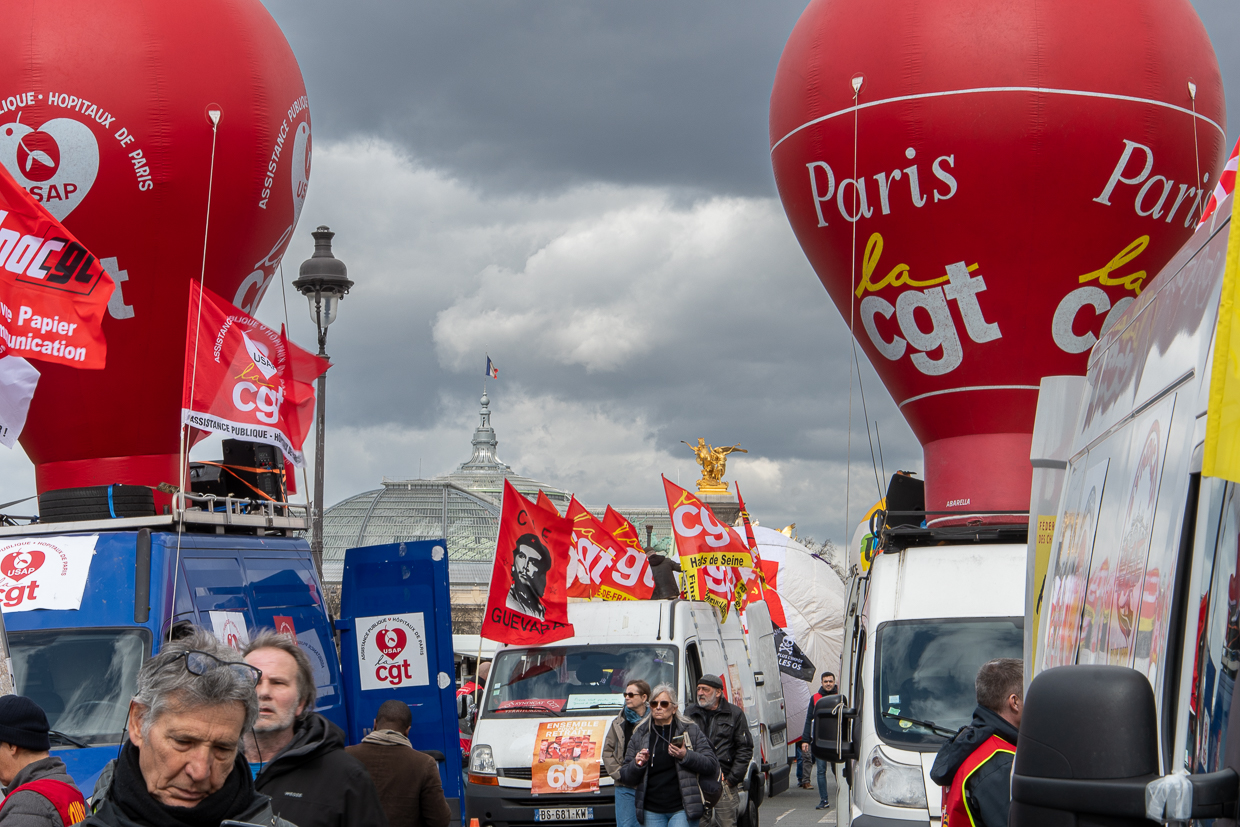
<point x="182" y="765"/>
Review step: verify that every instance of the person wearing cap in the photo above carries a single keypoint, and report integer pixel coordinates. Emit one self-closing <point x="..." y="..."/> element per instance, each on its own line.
<point x="728" y="730"/>
<point x="38" y="789"/>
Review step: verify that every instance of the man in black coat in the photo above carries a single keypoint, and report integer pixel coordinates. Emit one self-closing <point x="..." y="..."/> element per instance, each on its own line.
<point x="975" y="766"/>
<point x="297" y="756"/>
<point x="728" y="730"/>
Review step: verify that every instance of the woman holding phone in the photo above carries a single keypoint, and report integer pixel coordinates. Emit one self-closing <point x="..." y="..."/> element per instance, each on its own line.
<point x="667" y="760"/>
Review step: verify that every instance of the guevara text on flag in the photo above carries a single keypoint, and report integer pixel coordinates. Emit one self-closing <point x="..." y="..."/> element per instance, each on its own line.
<point x="245" y="380"/>
<point x="53" y="292"/>
<point x="527" y="603"/>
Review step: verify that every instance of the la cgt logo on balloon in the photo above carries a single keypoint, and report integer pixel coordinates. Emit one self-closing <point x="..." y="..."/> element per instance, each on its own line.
<point x="980" y="191"/>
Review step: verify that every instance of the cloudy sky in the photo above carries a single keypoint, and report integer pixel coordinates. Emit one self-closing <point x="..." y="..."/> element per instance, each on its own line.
<point x="583" y="190"/>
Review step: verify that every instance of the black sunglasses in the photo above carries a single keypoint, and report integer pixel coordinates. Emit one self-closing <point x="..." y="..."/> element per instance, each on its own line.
<point x="660" y="704"/>
<point x="633" y="695"/>
<point x="200" y="663"/>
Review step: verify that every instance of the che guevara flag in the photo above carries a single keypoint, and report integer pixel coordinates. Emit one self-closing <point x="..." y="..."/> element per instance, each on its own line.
<point x="527" y="603"/>
<point x="610" y="569"/>
<point x="244" y="379"/>
<point x="53" y="292"/>
<point x="708" y="548"/>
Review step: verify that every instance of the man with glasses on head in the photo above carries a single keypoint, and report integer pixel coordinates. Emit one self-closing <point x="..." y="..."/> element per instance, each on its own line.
<point x="297" y="755"/>
<point x="182" y="765"/>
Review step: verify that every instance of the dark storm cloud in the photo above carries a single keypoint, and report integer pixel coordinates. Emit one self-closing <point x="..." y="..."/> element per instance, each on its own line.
<point x="537" y="94"/>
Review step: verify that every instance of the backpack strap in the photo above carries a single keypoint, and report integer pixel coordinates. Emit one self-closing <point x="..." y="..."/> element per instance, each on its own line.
<point x="66" y="798"/>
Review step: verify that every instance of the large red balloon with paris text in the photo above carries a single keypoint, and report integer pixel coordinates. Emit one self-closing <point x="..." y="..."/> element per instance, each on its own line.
<point x="979" y="184"/>
<point x="105" y="119"/>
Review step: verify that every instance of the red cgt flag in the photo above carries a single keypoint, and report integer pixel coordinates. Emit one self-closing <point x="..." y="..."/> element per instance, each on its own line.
<point x="609" y="568"/>
<point x="527" y="604"/>
<point x="244" y="379"/>
<point x="710" y="551"/>
<point x="53" y="292"/>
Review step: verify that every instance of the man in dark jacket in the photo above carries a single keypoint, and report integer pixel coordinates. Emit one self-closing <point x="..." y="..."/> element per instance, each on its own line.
<point x="728" y="730"/>
<point x="807" y="739"/>
<point x="407" y="780"/>
<point x="297" y="756"/>
<point x="39" y="791"/>
<point x="975" y="766"/>
<point x="182" y="764"/>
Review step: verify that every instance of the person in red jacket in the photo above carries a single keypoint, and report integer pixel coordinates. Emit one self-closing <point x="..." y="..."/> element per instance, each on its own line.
<point x="975" y="765"/>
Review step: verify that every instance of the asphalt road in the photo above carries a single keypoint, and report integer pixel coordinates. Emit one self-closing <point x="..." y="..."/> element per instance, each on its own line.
<point x="795" y="808"/>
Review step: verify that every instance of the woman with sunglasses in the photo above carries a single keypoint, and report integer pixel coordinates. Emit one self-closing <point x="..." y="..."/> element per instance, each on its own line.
<point x="636" y="693"/>
<point x="667" y="760"/>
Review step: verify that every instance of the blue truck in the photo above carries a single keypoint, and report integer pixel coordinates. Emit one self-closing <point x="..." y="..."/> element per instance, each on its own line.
<point x="224" y="570"/>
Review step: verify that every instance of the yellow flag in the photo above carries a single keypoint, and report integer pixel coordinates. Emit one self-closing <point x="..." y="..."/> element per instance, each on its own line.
<point x="1222" y="449"/>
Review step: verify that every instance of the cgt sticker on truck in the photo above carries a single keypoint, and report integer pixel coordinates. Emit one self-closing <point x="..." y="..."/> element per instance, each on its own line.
<point x="48" y="573"/>
<point x="391" y="651"/>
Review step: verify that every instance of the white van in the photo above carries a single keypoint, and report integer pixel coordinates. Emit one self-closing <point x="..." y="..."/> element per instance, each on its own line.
<point x="1138" y="639"/>
<point x="919" y="623"/>
<point x="583" y="678"/>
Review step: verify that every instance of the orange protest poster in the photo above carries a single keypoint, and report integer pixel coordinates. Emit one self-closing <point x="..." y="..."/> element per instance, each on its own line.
<point x="567" y="756"/>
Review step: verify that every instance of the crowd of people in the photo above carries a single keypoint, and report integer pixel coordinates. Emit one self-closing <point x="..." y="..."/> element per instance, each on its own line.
<point x="672" y="769"/>
<point x="218" y="736"/>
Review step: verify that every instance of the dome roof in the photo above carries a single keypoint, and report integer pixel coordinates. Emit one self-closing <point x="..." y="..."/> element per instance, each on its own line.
<point x="462" y="506"/>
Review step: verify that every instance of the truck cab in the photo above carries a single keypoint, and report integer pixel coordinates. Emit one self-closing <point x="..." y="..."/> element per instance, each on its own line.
<point x="141" y="578"/>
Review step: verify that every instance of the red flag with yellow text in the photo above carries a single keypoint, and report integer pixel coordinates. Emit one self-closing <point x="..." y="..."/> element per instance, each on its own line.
<point x="619" y="527"/>
<point x="709" y="549"/>
<point x="527" y="604"/>
<point x="616" y="571"/>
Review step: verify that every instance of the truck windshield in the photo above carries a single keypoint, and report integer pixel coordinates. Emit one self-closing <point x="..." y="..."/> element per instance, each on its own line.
<point x="573" y="680"/>
<point x="927" y="671"/>
<point x="83" y="678"/>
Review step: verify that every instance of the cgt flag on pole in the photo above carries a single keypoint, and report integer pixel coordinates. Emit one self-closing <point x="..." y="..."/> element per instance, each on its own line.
<point x="606" y="567"/>
<point x="244" y="379"/>
<point x="710" y="551"/>
<point x="53" y="294"/>
<point x="527" y="603"/>
<point x="1221" y="453"/>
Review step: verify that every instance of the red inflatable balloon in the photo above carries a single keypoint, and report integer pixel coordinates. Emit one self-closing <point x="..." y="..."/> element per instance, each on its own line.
<point x="106" y="116"/>
<point x="978" y="183"/>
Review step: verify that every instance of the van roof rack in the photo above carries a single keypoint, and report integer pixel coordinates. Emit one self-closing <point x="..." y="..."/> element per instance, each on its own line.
<point x="197" y="513"/>
<point x="896" y="530"/>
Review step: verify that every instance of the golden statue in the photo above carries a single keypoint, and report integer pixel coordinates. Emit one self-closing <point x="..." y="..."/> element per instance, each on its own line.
<point x="714" y="462"/>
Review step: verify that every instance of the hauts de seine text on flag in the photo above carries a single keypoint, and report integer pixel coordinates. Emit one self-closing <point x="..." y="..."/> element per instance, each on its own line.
<point x="244" y="379"/>
<point x="53" y="294"/>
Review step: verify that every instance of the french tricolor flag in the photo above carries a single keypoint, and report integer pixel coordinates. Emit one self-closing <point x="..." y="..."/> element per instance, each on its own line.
<point x="492" y="371"/>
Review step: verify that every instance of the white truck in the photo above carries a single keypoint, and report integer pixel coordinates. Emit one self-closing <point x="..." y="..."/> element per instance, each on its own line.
<point x="921" y="619"/>
<point x="573" y="685"/>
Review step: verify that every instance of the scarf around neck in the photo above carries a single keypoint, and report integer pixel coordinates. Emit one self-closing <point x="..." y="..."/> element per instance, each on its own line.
<point x="631" y="716"/>
<point x="388" y="737"/>
<point x="129" y="794"/>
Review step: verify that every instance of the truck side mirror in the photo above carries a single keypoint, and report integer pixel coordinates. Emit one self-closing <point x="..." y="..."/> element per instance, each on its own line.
<point x="833" y="729"/>
<point x="1088" y="746"/>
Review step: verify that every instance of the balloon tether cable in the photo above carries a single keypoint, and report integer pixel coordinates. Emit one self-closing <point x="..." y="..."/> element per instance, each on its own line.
<point x="214" y="115"/>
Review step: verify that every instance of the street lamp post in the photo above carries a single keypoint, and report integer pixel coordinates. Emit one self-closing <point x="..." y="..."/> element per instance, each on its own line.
<point x="324" y="281"/>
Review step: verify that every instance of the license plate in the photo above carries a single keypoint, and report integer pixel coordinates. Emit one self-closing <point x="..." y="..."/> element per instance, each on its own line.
<point x="564" y="814"/>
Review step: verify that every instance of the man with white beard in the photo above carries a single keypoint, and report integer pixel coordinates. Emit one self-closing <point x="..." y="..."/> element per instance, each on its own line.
<point x="297" y="756"/>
